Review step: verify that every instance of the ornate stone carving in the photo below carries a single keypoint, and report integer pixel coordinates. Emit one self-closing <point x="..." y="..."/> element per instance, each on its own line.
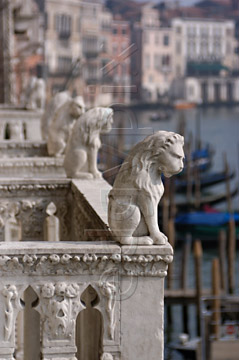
<point x="109" y="290"/>
<point x="51" y="224"/>
<point x="59" y="307"/>
<point x="146" y="265"/>
<point x="61" y="125"/>
<point x="138" y="188"/>
<point x="31" y="213"/>
<point x="12" y="305"/>
<point x="79" y="264"/>
<point x="84" y="142"/>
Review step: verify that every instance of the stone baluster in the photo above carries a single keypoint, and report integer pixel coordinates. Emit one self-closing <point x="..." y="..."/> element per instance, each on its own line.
<point x="16" y="130"/>
<point x="52" y="224"/>
<point x="9" y="308"/>
<point x="12" y="230"/>
<point x="59" y="306"/>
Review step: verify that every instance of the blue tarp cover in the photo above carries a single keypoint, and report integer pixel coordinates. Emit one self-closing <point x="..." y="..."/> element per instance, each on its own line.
<point x="202" y="218"/>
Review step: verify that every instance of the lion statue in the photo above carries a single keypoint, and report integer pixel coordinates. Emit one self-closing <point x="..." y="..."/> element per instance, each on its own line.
<point x="62" y="124"/>
<point x="54" y="104"/>
<point x="138" y="188"/>
<point x="35" y="96"/>
<point x="83" y="145"/>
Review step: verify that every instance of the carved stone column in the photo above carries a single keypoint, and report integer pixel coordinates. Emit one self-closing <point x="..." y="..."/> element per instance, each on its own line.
<point x="142" y="301"/>
<point x="9" y="308"/>
<point x="59" y="305"/>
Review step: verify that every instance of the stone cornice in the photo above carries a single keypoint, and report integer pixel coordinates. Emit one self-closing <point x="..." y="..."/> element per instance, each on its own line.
<point x="66" y="258"/>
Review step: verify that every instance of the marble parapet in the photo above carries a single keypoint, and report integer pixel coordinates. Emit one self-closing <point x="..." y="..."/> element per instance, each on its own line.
<point x="20" y="124"/>
<point x="32" y="167"/>
<point x="81" y="207"/>
<point x="27" y="148"/>
<point x="78" y="258"/>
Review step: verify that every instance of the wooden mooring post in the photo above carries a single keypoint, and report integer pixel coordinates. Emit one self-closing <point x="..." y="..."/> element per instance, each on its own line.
<point x="231" y="255"/>
<point x="216" y="300"/>
<point x="184" y="272"/>
<point x="198" y="278"/>
<point x="222" y="259"/>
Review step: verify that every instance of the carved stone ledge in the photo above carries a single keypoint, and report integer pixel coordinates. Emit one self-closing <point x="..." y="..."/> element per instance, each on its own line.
<point x="78" y="259"/>
<point x="18" y="186"/>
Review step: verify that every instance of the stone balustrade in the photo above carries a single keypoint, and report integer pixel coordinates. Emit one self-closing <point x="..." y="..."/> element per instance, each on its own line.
<point x="81" y="207"/>
<point x="13" y="149"/>
<point x="124" y="304"/>
<point x="84" y="297"/>
<point x="20" y="125"/>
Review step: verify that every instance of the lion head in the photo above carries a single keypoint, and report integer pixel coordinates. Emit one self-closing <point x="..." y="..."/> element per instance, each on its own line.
<point x="163" y="150"/>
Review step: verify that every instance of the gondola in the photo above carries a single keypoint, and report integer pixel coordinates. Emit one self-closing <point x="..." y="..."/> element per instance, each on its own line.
<point x="184" y="204"/>
<point x="204" y="225"/>
<point x="204" y="180"/>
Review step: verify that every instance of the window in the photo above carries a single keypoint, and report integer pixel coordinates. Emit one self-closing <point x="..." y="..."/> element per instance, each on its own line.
<point x="63" y="25"/>
<point x="178" y="29"/>
<point x="156" y="39"/>
<point x="147" y="61"/>
<point x="115" y="31"/>
<point x="165" y="60"/>
<point x="166" y="40"/>
<point x="103" y="45"/>
<point x="191" y="91"/>
<point x="146" y="37"/>
<point x="115" y="49"/>
<point x="178" y="47"/>
<point x="124" y="69"/>
<point x="157" y="62"/>
<point x="229" y="48"/>
<point x="64" y="64"/>
<point x="90" y="45"/>
<point x="124" y="31"/>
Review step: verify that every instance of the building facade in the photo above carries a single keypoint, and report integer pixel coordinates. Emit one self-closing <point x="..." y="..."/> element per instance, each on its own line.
<point x="63" y="45"/>
<point x="157" y="45"/>
<point x="203" y="42"/>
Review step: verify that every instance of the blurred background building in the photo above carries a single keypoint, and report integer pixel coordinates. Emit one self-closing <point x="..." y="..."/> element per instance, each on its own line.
<point x="102" y="49"/>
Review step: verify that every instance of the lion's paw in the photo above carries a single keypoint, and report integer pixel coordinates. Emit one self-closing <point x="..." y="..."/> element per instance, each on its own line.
<point x="97" y="175"/>
<point x="159" y="238"/>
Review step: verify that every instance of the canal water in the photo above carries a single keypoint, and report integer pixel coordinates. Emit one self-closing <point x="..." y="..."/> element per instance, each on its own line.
<point x="216" y="126"/>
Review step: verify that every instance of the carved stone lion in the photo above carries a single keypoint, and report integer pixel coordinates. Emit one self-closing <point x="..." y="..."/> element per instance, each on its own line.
<point x="62" y="123"/>
<point x="35" y="94"/>
<point x="54" y="104"/>
<point x="83" y="145"/>
<point x="138" y="188"/>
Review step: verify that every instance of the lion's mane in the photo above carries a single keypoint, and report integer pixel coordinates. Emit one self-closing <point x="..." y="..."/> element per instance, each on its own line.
<point x="90" y="124"/>
<point x="142" y="156"/>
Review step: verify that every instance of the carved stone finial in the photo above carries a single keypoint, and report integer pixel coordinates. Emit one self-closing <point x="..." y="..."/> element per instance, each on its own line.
<point x="51" y="209"/>
<point x="13" y="229"/>
<point x="84" y="142"/>
<point x="138" y="188"/>
<point x="52" y="224"/>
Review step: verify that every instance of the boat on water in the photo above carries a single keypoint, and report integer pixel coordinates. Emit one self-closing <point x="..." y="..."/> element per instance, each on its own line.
<point x="160" y="115"/>
<point x="205" y="180"/>
<point x="203" y="224"/>
<point x="183" y="105"/>
<point x="184" y="204"/>
<point x="200" y="159"/>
